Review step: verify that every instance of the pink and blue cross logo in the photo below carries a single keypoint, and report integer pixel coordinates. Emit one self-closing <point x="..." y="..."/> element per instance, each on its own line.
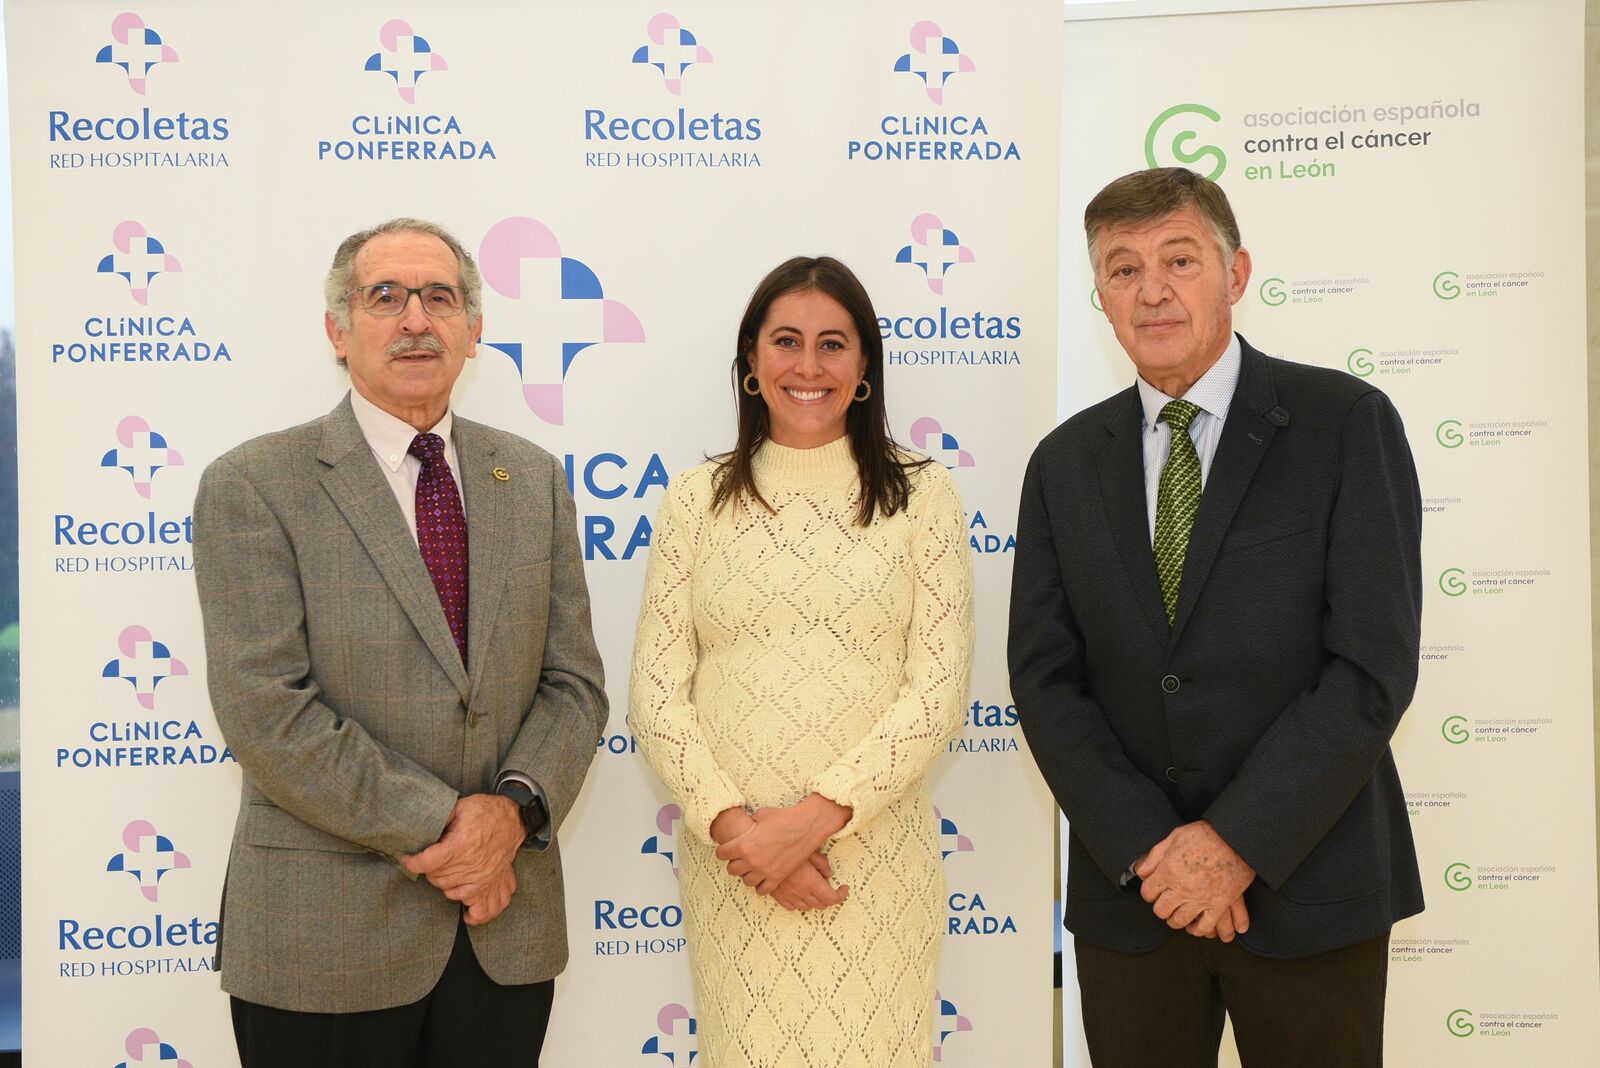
<point x="141" y="452"/>
<point x="672" y="50"/>
<point x="405" y="58"/>
<point x="933" y="58"/>
<point x="935" y="249"/>
<point x="144" y="663"/>
<point x="946" y="1022"/>
<point x="951" y="840"/>
<point x="138" y="259"/>
<point x="665" y="842"/>
<point x="136" y="48"/>
<point x="676" y="1040"/>
<point x="928" y="436"/>
<point x="144" y="1046"/>
<point x="560" y="310"/>
<point x="147" y="856"/>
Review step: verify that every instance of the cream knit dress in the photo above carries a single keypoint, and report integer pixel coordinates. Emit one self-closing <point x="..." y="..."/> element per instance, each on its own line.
<point x="780" y="654"/>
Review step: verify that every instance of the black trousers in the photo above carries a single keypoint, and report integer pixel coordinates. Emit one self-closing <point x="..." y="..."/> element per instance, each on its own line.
<point x="467" y="1021"/>
<point x="1166" y="1007"/>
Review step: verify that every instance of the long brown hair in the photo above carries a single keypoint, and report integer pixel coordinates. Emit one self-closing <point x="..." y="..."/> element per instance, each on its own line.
<point x="884" y="486"/>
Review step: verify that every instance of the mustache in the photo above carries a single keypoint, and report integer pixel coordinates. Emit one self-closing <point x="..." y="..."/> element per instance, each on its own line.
<point x="406" y="346"/>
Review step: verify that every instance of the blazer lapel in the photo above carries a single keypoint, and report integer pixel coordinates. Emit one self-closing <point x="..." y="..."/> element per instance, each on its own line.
<point x="1253" y="419"/>
<point x="362" y="494"/>
<point x="1121" y="463"/>
<point x="488" y="540"/>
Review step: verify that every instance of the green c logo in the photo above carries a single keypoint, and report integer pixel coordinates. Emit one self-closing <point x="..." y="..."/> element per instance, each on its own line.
<point x="1448" y="434"/>
<point x="1094" y="301"/>
<point x="1359" y="362"/>
<point x="1459" y="1023"/>
<point x="1458" y="877"/>
<point x="1450" y="582"/>
<point x="1180" y="142"/>
<point x="1445" y="286"/>
<point x="1454" y="729"/>
<point x="1272" y="292"/>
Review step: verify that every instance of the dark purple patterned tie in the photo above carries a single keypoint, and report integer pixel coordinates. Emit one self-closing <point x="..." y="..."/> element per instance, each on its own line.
<point x="442" y="533"/>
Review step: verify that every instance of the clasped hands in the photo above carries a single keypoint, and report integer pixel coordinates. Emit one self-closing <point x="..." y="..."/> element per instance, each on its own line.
<point x="777" y="851"/>
<point x="1195" y="882"/>
<point x="471" y="861"/>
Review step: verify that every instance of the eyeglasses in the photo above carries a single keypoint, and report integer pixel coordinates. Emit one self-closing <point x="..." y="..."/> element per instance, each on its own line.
<point x="386" y="299"/>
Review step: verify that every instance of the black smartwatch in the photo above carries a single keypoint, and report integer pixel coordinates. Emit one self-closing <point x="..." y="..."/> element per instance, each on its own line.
<point x="534" y="817"/>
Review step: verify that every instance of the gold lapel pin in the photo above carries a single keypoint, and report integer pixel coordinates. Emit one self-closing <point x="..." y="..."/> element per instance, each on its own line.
<point x="502" y="475"/>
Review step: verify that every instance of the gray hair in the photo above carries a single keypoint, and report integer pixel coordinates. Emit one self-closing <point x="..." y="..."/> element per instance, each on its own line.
<point x="341" y="276"/>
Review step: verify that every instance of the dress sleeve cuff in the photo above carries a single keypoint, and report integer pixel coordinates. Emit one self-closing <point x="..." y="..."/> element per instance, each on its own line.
<point x="704" y="810"/>
<point x="844" y="786"/>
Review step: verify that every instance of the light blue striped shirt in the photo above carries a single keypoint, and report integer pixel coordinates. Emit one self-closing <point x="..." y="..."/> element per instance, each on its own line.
<point x="1213" y="394"/>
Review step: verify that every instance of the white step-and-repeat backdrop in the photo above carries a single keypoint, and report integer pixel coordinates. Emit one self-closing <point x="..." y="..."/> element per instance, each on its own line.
<point x="1409" y="180"/>
<point x="1408" y="177"/>
<point x="183" y="172"/>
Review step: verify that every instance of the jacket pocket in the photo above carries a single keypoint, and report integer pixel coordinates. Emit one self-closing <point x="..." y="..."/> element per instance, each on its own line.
<point x="266" y="824"/>
<point x="1351" y="861"/>
<point x="1287" y="527"/>
<point x="529" y="576"/>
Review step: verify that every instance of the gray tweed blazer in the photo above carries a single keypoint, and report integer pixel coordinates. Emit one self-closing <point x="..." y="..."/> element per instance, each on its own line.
<point x="337" y="685"/>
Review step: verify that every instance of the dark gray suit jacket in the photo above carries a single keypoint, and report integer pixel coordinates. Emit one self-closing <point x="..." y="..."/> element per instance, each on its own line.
<point x="340" y="690"/>
<point x="1267" y="707"/>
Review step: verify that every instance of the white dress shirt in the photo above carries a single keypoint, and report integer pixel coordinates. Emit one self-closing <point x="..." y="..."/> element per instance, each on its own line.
<point x="1212" y="394"/>
<point x="389" y="437"/>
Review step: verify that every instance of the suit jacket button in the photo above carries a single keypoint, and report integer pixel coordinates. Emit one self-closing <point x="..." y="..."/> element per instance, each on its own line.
<point x="1172" y="774"/>
<point x="1170" y="684"/>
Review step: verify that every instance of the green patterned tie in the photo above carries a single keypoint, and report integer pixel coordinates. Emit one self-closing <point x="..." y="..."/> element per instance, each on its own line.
<point x="1176" y="502"/>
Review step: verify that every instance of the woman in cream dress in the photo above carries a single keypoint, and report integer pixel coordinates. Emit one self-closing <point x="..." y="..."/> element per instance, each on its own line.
<point x="802" y="657"/>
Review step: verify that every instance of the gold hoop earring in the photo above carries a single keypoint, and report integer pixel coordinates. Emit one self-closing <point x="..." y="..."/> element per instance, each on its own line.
<point x="863" y="396"/>
<point x="751" y="380"/>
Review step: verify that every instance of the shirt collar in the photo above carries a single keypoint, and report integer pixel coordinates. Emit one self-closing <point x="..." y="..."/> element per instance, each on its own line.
<point x="389" y="436"/>
<point x="1212" y="393"/>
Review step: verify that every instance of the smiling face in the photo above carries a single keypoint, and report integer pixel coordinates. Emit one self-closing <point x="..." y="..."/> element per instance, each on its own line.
<point x="406" y="364"/>
<point x="807" y="358"/>
<point x="1169" y="292"/>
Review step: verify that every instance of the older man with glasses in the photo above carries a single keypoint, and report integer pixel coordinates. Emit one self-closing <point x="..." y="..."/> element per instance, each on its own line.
<point x="400" y="656"/>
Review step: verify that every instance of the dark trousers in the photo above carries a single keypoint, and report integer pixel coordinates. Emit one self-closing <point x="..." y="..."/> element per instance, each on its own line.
<point x="467" y="1021"/>
<point x="1166" y="1007"/>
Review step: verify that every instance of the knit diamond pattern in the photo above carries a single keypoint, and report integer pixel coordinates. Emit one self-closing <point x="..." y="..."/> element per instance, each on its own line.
<point x="1177" y="500"/>
<point x="442" y="533"/>
<point x="789" y="651"/>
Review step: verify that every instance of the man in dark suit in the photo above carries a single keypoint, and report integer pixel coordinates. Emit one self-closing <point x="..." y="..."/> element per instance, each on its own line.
<point x="1215" y="617"/>
<point x="399" y="653"/>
